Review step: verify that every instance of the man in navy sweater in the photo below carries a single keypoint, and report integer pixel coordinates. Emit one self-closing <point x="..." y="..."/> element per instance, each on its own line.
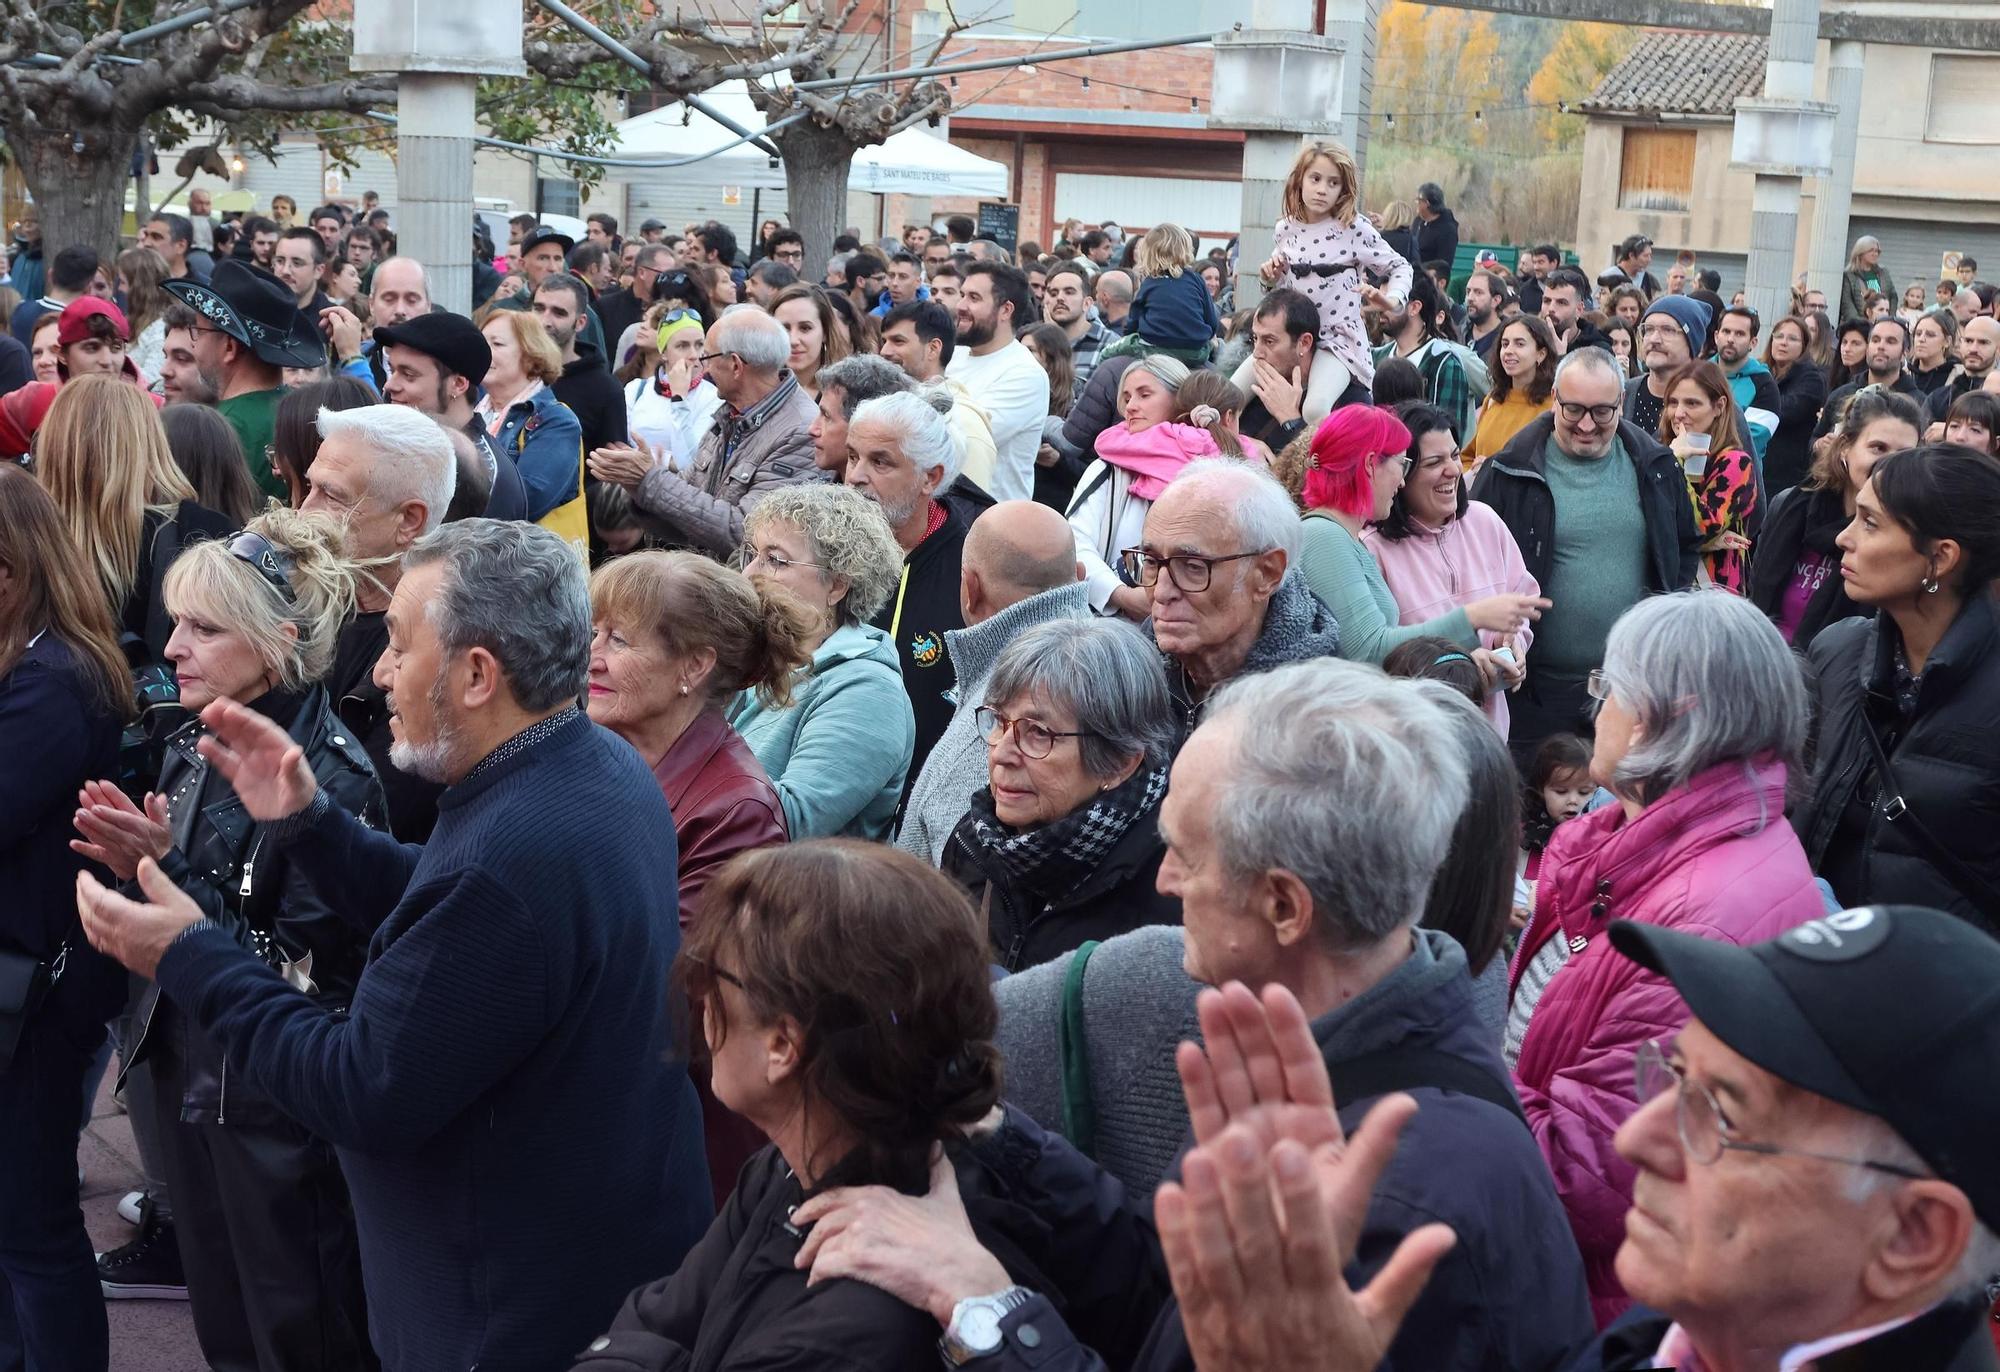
<point x="508" y="1092"/>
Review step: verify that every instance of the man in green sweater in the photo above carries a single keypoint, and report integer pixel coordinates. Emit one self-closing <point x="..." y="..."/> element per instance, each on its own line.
<point x="1602" y="513"/>
<point x="248" y="328"/>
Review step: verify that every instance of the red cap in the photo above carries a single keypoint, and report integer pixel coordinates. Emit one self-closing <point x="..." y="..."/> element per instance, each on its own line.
<point x="21" y="414"/>
<point x="71" y="327"/>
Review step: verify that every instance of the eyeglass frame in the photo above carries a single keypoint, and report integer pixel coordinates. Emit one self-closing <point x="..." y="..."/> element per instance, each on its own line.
<point x="745" y="555"/>
<point x="1000" y="726"/>
<point x="1651" y="1056"/>
<point x="1608" y="419"/>
<point x="1136" y="569"/>
<point x="1597" y="685"/>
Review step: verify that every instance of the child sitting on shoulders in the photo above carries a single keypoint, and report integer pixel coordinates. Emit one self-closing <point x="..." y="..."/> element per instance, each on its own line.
<point x="1173" y="312"/>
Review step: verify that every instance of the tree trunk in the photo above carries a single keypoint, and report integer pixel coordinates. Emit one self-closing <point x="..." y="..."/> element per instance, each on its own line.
<point x="142" y="180"/>
<point x="80" y="196"/>
<point x="816" y="163"/>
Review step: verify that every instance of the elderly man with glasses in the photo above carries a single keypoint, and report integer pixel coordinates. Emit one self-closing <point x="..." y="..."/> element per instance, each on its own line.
<point x="1600" y="510"/>
<point x="1219" y="565"/>
<point x="1816" y="1183"/>
<point x="762" y="440"/>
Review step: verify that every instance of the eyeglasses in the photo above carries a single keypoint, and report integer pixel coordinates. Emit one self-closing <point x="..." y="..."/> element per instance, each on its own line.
<point x="1191" y="572"/>
<point x="1597" y="684"/>
<point x="1705" y="1131"/>
<point x="707" y="358"/>
<point x="271" y="562"/>
<point x="1600" y="415"/>
<point x="747" y="557"/>
<point x="790" y="254"/>
<point x="1036" y="741"/>
<point x="1404" y="458"/>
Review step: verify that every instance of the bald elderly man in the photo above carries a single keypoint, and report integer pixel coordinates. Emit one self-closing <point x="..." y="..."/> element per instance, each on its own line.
<point x="1018" y="569"/>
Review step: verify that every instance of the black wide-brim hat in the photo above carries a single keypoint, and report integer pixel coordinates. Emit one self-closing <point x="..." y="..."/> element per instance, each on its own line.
<point x="257" y="310"/>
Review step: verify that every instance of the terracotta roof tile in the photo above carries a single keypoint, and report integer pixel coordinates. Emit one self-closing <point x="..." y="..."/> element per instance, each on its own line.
<point x="1683" y="73"/>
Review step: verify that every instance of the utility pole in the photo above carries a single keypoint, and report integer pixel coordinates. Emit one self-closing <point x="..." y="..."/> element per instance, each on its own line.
<point x="1781" y="137"/>
<point x="439" y="51"/>
<point x="1278" y="82"/>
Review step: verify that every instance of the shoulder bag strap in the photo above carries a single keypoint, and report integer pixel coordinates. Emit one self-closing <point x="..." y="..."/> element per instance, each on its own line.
<point x="1079" y="1110"/>
<point x="1896" y="810"/>
<point x="166" y="547"/>
<point x="1408" y="1067"/>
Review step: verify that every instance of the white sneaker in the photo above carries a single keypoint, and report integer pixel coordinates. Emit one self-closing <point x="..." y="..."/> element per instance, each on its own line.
<point x="128" y="1206"/>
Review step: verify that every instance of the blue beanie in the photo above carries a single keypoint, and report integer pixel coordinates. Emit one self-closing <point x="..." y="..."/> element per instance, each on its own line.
<point x="1690" y="314"/>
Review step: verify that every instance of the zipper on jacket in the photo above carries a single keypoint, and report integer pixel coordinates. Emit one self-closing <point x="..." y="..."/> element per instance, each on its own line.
<point x="222" y="1094"/>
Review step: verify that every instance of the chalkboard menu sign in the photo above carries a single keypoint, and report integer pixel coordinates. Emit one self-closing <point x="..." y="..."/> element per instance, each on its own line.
<point x="1002" y="224"/>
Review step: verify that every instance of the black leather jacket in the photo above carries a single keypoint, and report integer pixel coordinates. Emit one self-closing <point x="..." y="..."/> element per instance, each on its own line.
<point x="244" y="884"/>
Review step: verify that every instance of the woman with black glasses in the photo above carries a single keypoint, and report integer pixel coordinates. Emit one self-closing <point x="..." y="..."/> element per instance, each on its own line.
<point x="1063" y="845"/>
<point x="265" y="1226"/>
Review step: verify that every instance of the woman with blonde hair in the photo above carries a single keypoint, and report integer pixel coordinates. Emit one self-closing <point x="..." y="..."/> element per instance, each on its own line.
<point x="257" y="620"/>
<point x="140" y="272"/>
<point x="1865" y="274"/>
<point x="523" y="418"/>
<point x="103" y="454"/>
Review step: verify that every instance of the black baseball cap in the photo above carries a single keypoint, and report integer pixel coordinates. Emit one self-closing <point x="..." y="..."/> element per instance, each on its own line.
<point x="1892" y="1010"/>
<point x="452" y="339"/>
<point x="541" y="234"/>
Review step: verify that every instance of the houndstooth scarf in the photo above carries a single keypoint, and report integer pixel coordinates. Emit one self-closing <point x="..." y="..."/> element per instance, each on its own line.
<point x="1056" y="858"/>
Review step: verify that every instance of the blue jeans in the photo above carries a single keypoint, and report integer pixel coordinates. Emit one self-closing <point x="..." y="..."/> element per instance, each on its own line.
<point x="51" y="1307"/>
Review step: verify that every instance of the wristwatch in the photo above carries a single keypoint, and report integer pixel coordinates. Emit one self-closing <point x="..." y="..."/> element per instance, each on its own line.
<point x="974" y="1331"/>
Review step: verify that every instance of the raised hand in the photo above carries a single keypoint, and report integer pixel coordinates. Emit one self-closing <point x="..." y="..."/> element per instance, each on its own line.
<point x="1256" y="1239"/>
<point x="258" y="759"/>
<point x="118" y="833"/>
<point x="1260" y="1068"/>
<point x="135" y="932"/>
<point x="622" y="464"/>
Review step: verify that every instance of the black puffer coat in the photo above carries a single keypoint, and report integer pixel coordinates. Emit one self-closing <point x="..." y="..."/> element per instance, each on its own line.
<point x="221" y="858"/>
<point x="1946" y="759"/>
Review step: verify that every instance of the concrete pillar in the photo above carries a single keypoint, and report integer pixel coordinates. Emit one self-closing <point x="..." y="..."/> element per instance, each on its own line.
<point x="434" y="181"/>
<point x="1267" y="161"/>
<point x="1356" y="24"/>
<point x="1782" y="136"/>
<point x="1827" y="258"/>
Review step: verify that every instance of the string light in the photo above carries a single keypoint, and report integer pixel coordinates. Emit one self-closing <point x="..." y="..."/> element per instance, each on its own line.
<point x="1027" y="69"/>
<point x="1479" y="116"/>
<point x="1086" y="83"/>
<point x="1194" y="105"/>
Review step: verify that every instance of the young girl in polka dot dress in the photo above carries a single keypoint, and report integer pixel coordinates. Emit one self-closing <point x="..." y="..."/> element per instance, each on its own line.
<point x="1324" y="244"/>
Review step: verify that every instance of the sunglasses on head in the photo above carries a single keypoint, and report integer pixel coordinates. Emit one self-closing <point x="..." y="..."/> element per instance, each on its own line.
<point x="271" y="562"/>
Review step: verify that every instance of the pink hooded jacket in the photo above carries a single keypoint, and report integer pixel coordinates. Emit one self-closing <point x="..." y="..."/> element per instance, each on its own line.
<point x="1434" y="571"/>
<point x="1714" y="858"/>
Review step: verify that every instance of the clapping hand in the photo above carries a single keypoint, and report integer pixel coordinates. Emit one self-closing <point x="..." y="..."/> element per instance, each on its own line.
<point x="118" y="833"/>
<point x="136" y="933"/>
<point x="623" y="464"/>
<point x="259" y="760"/>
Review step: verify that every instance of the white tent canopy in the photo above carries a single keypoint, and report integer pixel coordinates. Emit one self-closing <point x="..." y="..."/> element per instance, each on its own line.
<point x="913" y="162"/>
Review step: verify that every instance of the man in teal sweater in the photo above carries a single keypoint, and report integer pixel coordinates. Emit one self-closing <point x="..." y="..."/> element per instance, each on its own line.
<point x="507" y="1091"/>
<point x="1603" y="516"/>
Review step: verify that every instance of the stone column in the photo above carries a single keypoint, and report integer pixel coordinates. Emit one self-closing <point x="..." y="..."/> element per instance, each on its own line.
<point x="1827" y="258"/>
<point x="1782" y="136"/>
<point x="434" y="182"/>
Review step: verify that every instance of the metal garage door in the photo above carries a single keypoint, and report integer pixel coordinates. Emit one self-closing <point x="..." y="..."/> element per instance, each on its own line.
<point x="299" y="170"/>
<point x="1914" y="249"/>
<point x="678" y="203"/>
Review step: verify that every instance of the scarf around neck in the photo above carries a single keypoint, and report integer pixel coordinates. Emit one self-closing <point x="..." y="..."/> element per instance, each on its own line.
<point x="1056" y="858"/>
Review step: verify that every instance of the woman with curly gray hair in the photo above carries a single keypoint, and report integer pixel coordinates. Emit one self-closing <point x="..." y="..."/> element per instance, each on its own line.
<point x="839" y="752"/>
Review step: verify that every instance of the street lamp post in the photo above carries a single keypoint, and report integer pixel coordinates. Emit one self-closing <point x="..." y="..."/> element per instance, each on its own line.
<point x="439" y="50"/>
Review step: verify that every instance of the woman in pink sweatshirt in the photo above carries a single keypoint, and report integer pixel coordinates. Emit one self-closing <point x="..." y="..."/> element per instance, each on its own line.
<point x="1438" y="550"/>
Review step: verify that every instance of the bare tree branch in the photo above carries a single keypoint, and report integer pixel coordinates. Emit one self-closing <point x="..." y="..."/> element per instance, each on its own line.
<point x="236" y="93"/>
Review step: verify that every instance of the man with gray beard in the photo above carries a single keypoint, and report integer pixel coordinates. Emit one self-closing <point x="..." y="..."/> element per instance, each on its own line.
<point x="903" y="456"/>
<point x="507" y="1090"/>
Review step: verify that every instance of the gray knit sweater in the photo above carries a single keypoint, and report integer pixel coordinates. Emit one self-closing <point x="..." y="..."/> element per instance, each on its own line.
<point x="1138" y="1007"/>
<point x="956" y="766"/>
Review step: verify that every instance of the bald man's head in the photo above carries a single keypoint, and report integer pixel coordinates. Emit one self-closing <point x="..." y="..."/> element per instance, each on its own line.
<point x="1015" y="550"/>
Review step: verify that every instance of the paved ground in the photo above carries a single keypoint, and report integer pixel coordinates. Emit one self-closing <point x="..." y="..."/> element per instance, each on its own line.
<point x="146" y="1336"/>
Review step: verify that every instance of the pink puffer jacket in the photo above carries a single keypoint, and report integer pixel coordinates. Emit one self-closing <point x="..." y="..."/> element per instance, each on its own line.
<point x="1714" y="858"/>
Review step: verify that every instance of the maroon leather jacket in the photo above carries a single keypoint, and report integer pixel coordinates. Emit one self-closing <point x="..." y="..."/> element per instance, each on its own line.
<point x="721" y="799"/>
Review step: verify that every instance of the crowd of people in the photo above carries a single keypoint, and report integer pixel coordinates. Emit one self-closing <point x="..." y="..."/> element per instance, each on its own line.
<point x="994" y="805"/>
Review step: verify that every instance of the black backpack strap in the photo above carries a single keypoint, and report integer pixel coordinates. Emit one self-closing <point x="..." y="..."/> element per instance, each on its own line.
<point x="166" y="547"/>
<point x="1410" y="1066"/>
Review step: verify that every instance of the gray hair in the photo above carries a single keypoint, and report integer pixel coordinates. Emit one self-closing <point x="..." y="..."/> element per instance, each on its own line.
<point x="863" y="376"/>
<point x="758" y="341"/>
<point x="413" y="459"/>
<point x="1105" y="673"/>
<point x="849" y="538"/>
<point x="1709" y="680"/>
<point x="924" y="436"/>
<point x="1590" y="359"/>
<point x="1350" y="780"/>
<point x="1875" y="1139"/>
<point x="1263" y="513"/>
<point x="521" y="593"/>
<point x="836" y="264"/>
<point x="1170" y="371"/>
